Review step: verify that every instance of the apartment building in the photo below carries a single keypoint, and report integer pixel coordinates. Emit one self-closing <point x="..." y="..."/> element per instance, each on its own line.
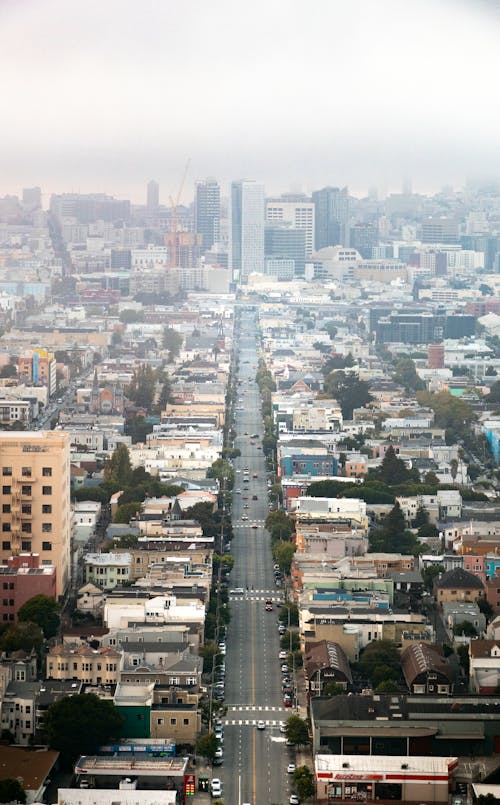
<point x="35" y="514"/>
<point x="99" y="666"/>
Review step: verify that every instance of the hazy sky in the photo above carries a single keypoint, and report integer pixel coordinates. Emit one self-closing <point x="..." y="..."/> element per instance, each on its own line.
<point x="105" y="94"/>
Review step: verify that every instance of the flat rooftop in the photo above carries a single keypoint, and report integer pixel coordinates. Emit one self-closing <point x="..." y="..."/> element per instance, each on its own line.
<point x="140" y="765"/>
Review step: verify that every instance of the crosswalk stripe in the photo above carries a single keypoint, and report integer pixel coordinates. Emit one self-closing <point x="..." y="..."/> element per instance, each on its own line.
<point x="241" y="722"/>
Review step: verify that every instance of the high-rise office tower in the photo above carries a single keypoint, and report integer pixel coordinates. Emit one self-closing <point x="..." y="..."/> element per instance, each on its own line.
<point x="207" y="212"/>
<point x="32" y="198"/>
<point x="247" y="228"/>
<point x="153" y="197"/>
<point x="282" y="241"/>
<point x="295" y="210"/>
<point x="35" y="515"/>
<point x="332" y="217"/>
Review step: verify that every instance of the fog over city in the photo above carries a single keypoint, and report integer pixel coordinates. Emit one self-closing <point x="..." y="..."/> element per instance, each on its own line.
<point x="102" y="96"/>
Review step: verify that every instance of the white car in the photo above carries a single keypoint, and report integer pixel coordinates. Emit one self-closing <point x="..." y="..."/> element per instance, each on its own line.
<point x="216" y="787"/>
<point x="290" y="768"/>
<point x="282" y="726"/>
<point x="261" y="725"/>
<point x="294" y="800"/>
<point x="282" y="655"/>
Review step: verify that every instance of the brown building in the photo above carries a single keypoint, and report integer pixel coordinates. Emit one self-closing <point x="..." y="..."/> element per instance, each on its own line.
<point x="426" y="670"/>
<point x="493" y="593"/>
<point x="35" y="484"/>
<point x="435" y="356"/>
<point x="458" y="585"/>
<point x="175" y="715"/>
<point x="325" y="662"/>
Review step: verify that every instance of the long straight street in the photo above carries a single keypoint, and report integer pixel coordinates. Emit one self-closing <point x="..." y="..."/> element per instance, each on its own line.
<point x="255" y="760"/>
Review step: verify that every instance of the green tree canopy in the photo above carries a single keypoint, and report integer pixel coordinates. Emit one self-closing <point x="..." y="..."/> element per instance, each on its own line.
<point x="380" y="661"/>
<point x="9" y="370"/>
<point x="330" y="328"/>
<point x="451" y="413"/>
<point x="348" y="390"/>
<point x="289" y="611"/>
<point x="130" y="316"/>
<point x="207" y="746"/>
<point x="42" y="610"/>
<point x="11" y="790"/>
<point x="279" y="525"/>
<point x="142" y="387"/>
<point x="406" y="375"/>
<point x="23" y="636"/>
<point x="297" y="731"/>
<point x="126" y="511"/>
<point x="283" y="553"/>
<point x="393" y="470"/>
<point x="465" y="628"/>
<point x="172" y="340"/>
<point x="78" y="725"/>
<point x="119" y="469"/>
<point x="303" y="781"/>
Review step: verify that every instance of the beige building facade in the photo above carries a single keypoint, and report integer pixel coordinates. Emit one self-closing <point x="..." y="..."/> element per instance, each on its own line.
<point x="35" y="515"/>
<point x="92" y="666"/>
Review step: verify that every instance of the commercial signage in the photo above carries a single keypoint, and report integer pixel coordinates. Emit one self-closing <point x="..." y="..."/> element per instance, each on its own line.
<point x="358" y="777"/>
<point x="189" y="785"/>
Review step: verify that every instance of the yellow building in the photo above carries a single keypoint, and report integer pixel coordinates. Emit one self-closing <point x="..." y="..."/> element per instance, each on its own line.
<point x="35" y="514"/>
<point x="92" y="666"/>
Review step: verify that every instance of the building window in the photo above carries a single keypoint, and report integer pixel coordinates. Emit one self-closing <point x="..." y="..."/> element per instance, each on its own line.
<point x="6" y="470"/>
<point x="160" y="721"/>
<point x="46" y="490"/>
<point x="186" y="722"/>
<point x="26" y="528"/>
<point x="5" y="546"/>
<point x="46" y="546"/>
<point x="47" y="508"/>
<point x="5" y="527"/>
<point x="173" y="722"/>
<point x="47" y="472"/>
<point x="26" y="472"/>
<point x="46" y="528"/>
<point x="26" y="545"/>
<point x="26" y="490"/>
<point x="26" y="508"/>
<point x="6" y="508"/>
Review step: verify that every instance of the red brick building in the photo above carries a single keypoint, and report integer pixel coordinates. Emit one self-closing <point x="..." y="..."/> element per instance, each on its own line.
<point x="21" y="579"/>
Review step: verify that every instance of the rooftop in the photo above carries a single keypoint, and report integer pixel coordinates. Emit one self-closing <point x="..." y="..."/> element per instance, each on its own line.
<point x="459" y="578"/>
<point x="31" y="766"/>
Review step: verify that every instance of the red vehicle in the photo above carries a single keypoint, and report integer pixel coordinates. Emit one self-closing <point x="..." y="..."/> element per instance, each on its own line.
<point x="254" y="475"/>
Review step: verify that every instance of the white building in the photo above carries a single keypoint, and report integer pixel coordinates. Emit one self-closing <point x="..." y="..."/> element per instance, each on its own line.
<point x="119" y="612"/>
<point x="331" y="509"/>
<point x="300" y="214"/>
<point x="247" y="228"/>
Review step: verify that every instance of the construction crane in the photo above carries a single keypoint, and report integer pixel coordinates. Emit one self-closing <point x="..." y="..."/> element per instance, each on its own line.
<point x="174" y="245"/>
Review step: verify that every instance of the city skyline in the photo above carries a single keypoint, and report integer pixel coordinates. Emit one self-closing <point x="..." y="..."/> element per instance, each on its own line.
<point x="105" y="98"/>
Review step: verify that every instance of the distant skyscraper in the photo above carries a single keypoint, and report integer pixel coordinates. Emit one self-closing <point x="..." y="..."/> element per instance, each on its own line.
<point x="295" y="210"/>
<point x="247" y="228"/>
<point x="153" y="197"/>
<point x="207" y="212"/>
<point x="286" y="242"/>
<point x="332" y="217"/>
<point x="32" y="198"/>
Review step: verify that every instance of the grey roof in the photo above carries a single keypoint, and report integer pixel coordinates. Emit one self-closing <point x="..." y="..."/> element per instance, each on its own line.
<point x="459" y="578"/>
<point x="153" y="645"/>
